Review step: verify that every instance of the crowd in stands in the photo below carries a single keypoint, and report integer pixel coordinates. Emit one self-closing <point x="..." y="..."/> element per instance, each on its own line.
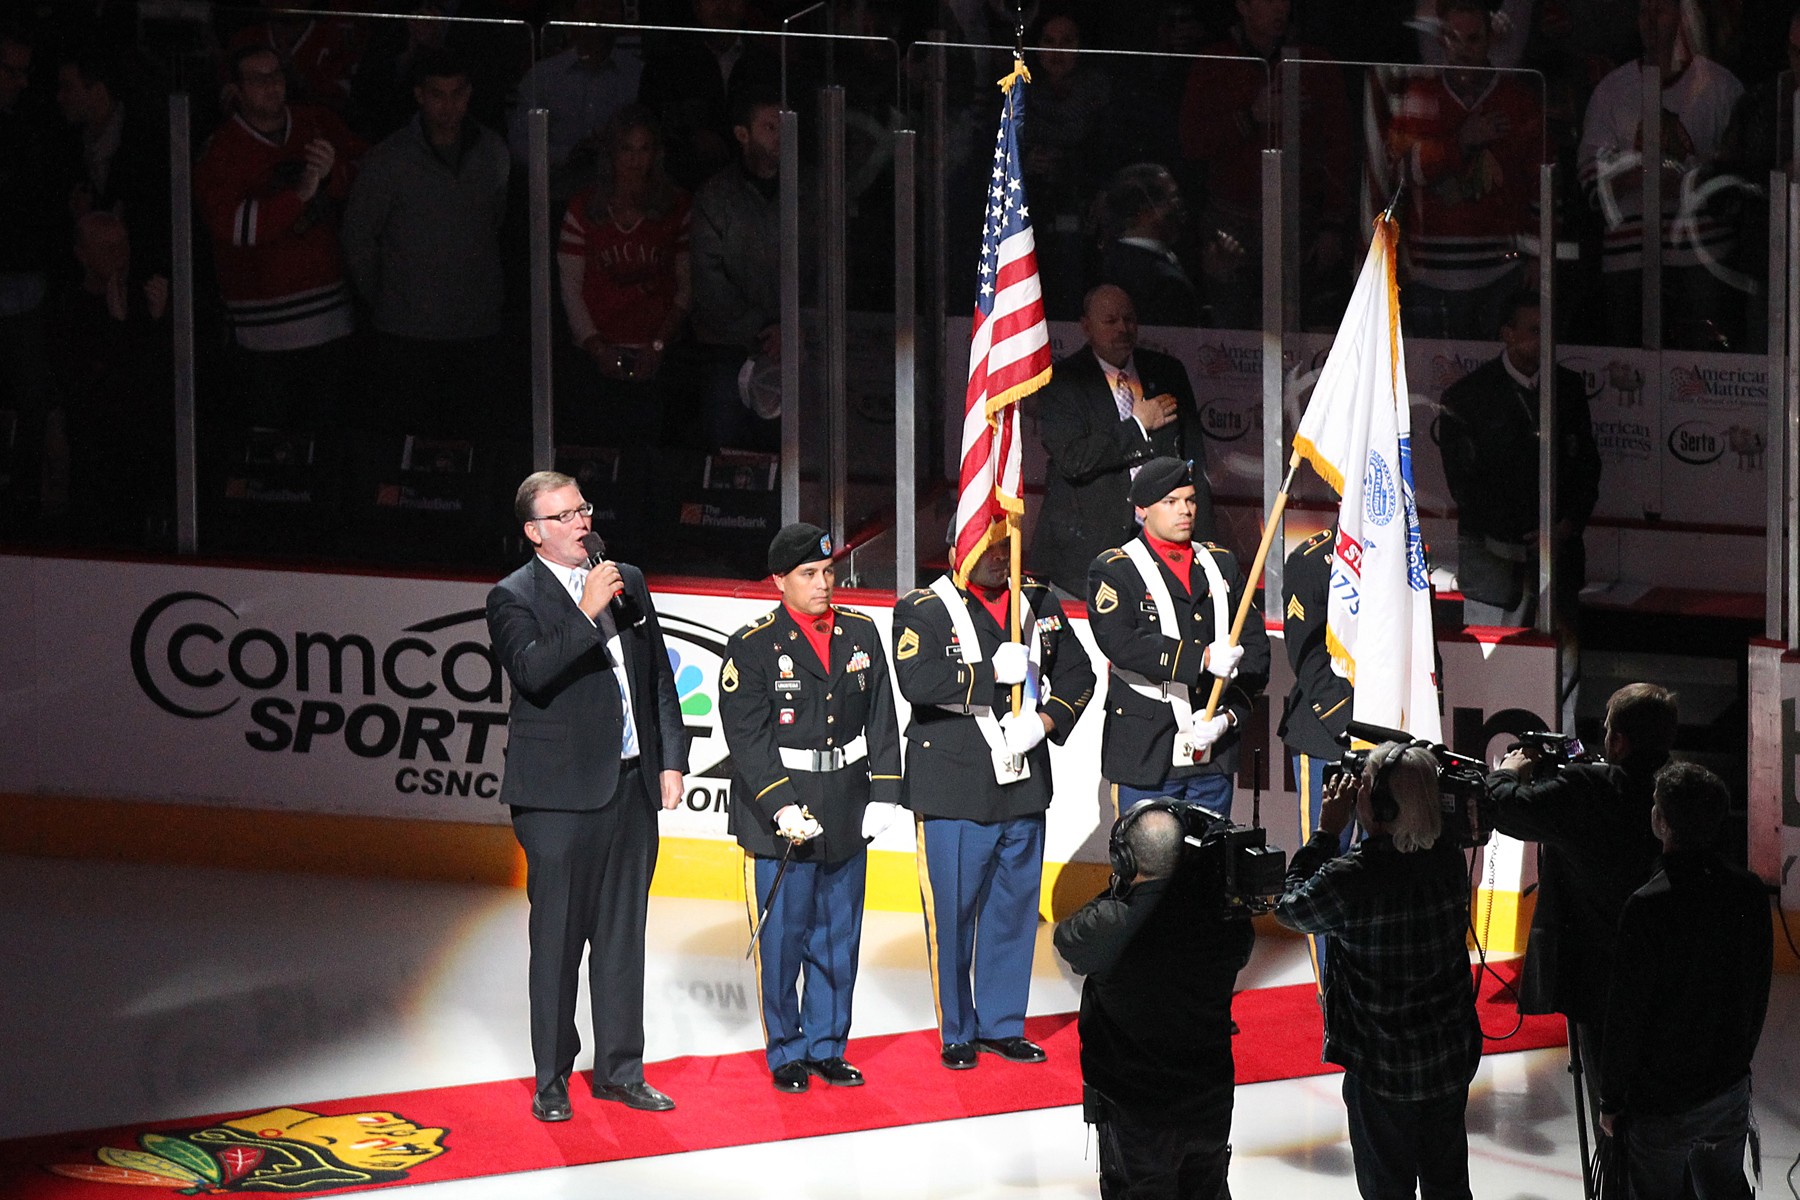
<point x="360" y="197"/>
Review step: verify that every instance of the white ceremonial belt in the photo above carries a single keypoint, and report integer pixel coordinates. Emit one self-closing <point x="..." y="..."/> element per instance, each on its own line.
<point x="834" y="759"/>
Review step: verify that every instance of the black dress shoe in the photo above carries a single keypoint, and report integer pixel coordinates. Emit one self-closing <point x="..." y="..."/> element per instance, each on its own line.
<point x="835" y="1071"/>
<point x="958" y="1056"/>
<point x="790" y="1077"/>
<point x="639" y="1095"/>
<point x="551" y="1103"/>
<point x="1014" y="1049"/>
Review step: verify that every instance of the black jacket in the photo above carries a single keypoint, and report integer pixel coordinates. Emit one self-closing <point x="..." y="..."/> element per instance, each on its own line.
<point x="949" y="767"/>
<point x="774" y="692"/>
<point x="1087" y="508"/>
<point x="1691" y="990"/>
<point x="1592" y="824"/>
<point x="564" y="727"/>
<point x="1318" y="705"/>
<point x="1140" y="732"/>
<point x="1161" y="962"/>
<point x="1489" y="436"/>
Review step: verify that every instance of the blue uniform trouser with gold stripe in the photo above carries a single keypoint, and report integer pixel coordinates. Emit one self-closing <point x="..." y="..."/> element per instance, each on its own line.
<point x="980" y="883"/>
<point x="806" y="960"/>
<point x="1309" y="782"/>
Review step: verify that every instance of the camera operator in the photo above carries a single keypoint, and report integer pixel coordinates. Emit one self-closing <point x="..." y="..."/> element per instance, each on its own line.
<point x="1161" y="952"/>
<point x="1591" y="821"/>
<point x="1399" y="1000"/>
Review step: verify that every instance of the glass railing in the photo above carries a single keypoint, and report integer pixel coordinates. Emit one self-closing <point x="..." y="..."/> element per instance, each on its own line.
<point x="374" y="366"/>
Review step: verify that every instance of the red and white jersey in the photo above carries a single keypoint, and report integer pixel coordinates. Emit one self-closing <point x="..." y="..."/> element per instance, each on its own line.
<point x="1697" y="107"/>
<point x="280" y="270"/>
<point x="626" y="279"/>
<point x="1469" y="207"/>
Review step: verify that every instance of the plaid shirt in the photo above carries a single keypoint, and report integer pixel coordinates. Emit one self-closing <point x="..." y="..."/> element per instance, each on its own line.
<point x="1399" y="1001"/>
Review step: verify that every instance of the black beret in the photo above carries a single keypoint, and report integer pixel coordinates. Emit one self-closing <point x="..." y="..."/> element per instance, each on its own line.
<point x="796" y="544"/>
<point x="1158" y="477"/>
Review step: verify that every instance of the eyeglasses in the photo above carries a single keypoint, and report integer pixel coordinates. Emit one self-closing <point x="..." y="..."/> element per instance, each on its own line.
<point x="568" y="514"/>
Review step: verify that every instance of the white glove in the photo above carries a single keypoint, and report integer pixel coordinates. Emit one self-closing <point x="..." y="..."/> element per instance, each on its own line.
<point x="877" y="816"/>
<point x="1021" y="732"/>
<point x="1208" y="732"/>
<point x="1222" y="659"/>
<point x="1010" y="661"/>
<point x="796" y="825"/>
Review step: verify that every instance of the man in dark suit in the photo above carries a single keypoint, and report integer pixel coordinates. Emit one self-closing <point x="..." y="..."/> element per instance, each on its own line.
<point x="594" y="744"/>
<point x="1161" y="609"/>
<point x="1144" y="218"/>
<point x="808" y="715"/>
<point x="1489" y="436"/>
<point x="1108" y="409"/>
<point x="978" y="780"/>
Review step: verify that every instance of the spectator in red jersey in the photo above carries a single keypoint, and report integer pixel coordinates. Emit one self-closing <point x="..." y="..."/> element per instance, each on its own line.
<point x="626" y="284"/>
<point x="1469" y="141"/>
<point x="269" y="188"/>
<point x="1229" y="115"/>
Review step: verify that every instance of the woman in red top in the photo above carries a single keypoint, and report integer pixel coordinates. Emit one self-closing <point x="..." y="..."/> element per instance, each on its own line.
<point x="623" y="258"/>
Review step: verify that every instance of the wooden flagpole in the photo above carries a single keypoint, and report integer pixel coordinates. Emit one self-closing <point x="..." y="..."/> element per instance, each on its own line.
<point x="1256" y="569"/>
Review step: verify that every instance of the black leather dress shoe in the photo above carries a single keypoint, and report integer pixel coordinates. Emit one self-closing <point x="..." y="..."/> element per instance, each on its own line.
<point x="638" y="1095"/>
<point x="835" y="1071"/>
<point x="958" y="1056"/>
<point x="790" y="1077"/>
<point x="1014" y="1049"/>
<point x="551" y="1103"/>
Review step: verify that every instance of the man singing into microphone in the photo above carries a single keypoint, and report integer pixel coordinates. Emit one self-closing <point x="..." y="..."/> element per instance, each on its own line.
<point x="594" y="745"/>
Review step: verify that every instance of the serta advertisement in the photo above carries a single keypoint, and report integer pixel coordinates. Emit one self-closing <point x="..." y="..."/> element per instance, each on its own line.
<point x="381" y="697"/>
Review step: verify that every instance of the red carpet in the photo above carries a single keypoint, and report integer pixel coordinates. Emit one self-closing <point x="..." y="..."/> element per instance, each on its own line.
<point x="487" y="1128"/>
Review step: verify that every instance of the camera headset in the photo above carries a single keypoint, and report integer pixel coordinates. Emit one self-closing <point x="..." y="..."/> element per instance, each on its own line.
<point x="1382" y="804"/>
<point x="1118" y="850"/>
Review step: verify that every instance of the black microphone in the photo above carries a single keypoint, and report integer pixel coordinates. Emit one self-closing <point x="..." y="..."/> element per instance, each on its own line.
<point x="624" y="609"/>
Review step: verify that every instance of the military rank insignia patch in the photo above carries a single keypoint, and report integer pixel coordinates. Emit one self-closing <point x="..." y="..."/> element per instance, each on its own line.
<point x="1106" y="599"/>
<point x="908" y="645"/>
<point x="728" y="678"/>
<point x="1295" y="609"/>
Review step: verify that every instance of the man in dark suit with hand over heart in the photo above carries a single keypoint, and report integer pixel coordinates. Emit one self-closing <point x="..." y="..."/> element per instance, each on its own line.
<point x="1108" y="409"/>
<point x="594" y="745"/>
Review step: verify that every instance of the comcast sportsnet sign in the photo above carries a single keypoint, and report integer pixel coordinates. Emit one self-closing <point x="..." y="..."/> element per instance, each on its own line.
<point x="287" y="690"/>
<point x="427" y="696"/>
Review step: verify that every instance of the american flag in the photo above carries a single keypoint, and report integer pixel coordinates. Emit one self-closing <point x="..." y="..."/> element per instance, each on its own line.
<point x="1009" y="349"/>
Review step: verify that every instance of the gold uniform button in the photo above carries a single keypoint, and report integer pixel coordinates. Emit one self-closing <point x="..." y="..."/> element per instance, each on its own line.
<point x="828" y="741"/>
<point x="830" y="720"/>
<point x="828" y="695"/>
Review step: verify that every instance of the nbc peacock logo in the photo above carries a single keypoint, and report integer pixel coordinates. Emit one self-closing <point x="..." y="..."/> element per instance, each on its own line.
<point x="690" y="684"/>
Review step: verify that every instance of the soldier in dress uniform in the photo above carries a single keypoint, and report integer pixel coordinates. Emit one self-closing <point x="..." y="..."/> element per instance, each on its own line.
<point x="1318" y="705"/>
<point x="1161" y="610"/>
<point x="978" y="782"/>
<point x="808" y="714"/>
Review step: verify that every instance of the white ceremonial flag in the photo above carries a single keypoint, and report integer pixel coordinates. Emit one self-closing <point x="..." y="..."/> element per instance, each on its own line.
<point x="1357" y="433"/>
